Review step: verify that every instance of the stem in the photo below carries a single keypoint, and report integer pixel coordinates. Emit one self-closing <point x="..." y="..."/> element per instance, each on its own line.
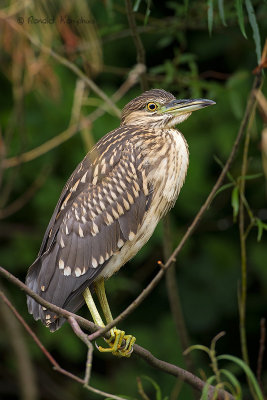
<point x="140" y="50"/>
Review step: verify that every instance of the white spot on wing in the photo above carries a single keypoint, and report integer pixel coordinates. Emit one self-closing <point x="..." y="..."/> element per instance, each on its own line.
<point x="120" y="243"/>
<point x="80" y="231"/>
<point x="67" y="271"/>
<point x="94" y="263"/>
<point x="84" y="177"/>
<point x="61" y="264"/>
<point x="78" y="272"/>
<point x="62" y="244"/>
<point x="131" y="235"/>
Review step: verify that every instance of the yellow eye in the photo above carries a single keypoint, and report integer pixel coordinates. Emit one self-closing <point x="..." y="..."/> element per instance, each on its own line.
<point x="151" y="106"/>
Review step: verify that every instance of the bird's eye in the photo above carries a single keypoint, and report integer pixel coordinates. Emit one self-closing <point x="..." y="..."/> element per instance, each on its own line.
<point x="151" y="106"/>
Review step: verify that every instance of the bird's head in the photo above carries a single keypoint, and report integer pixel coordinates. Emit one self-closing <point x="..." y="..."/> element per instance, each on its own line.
<point x="157" y="108"/>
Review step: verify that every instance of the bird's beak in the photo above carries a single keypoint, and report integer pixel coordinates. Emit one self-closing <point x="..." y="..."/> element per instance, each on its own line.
<point x="178" y="107"/>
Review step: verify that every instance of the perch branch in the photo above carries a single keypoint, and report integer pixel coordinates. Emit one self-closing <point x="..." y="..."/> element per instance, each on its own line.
<point x="164" y="366"/>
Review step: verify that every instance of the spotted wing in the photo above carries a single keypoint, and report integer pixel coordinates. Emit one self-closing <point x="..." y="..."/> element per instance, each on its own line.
<point x="88" y="230"/>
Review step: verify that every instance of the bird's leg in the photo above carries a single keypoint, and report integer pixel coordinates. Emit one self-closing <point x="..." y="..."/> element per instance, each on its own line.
<point x="117" y="336"/>
<point x="92" y="307"/>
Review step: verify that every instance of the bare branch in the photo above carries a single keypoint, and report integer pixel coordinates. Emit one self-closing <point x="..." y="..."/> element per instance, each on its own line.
<point x="74" y="128"/>
<point x="65" y="62"/>
<point x="15" y="338"/>
<point x="168" y="368"/>
<point x="261" y="350"/>
<point x="77" y="330"/>
<point x="22" y="200"/>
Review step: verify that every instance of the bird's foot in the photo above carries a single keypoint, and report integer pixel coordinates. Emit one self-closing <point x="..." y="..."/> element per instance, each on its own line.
<point x="115" y="343"/>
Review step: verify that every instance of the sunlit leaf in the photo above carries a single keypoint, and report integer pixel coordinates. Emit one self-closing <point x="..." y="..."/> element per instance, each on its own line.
<point x="221" y="11"/>
<point x="247" y="370"/>
<point x="240" y="15"/>
<point x="255" y="28"/>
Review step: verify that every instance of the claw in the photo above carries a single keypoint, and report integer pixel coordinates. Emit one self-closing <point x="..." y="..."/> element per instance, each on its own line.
<point x="115" y="343"/>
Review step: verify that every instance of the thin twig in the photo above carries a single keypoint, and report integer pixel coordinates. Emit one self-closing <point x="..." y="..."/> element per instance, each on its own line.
<point x="22" y="200"/>
<point x="174" y="300"/>
<point x="192" y="227"/>
<point x="140" y="50"/>
<point x="78" y="332"/>
<point x="15" y="338"/>
<point x="140" y="388"/>
<point x="55" y="364"/>
<point x="261" y="351"/>
<point x="75" y="128"/>
<point x="164" y="366"/>
<point x="62" y="60"/>
<point x="173" y="294"/>
<point x="29" y="330"/>
<point x="59" y="311"/>
<point x="242" y="293"/>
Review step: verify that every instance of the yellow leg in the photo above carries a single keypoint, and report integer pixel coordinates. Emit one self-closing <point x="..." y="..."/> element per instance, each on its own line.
<point x="116" y="335"/>
<point x="92" y="308"/>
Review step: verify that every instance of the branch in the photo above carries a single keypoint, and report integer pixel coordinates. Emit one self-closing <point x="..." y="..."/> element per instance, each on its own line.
<point x="15" y="338"/>
<point x="164" y="366"/>
<point x="261" y="351"/>
<point x="51" y="359"/>
<point x="140" y="50"/>
<point x="65" y="62"/>
<point x="74" y="128"/>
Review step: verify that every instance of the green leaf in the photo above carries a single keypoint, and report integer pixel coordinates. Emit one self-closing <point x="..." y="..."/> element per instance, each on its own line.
<point x="261" y="226"/>
<point x="197" y="347"/>
<point x="156" y="386"/>
<point x="222" y="188"/>
<point x="234" y="382"/>
<point x="253" y="176"/>
<point x="240" y="15"/>
<point x="221" y="12"/>
<point x="255" y="28"/>
<point x="229" y="176"/>
<point x="148" y="10"/>
<point x="136" y="5"/>
<point x="247" y="370"/>
<point x="210" y="15"/>
<point x="205" y="391"/>
<point x="235" y="201"/>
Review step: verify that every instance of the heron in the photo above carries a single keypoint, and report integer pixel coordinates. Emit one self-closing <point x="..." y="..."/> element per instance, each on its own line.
<point x="109" y="208"/>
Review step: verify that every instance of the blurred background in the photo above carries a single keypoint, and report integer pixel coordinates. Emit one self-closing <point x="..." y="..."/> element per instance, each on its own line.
<point x="50" y="117"/>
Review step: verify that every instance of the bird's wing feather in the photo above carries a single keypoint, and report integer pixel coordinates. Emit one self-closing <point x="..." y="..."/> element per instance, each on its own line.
<point x="103" y="212"/>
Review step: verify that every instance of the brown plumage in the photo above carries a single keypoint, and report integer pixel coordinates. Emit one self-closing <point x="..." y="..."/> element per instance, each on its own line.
<point x="112" y="202"/>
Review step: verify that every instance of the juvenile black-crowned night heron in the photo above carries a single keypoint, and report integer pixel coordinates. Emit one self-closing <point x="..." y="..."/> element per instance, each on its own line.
<point x="110" y="207"/>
